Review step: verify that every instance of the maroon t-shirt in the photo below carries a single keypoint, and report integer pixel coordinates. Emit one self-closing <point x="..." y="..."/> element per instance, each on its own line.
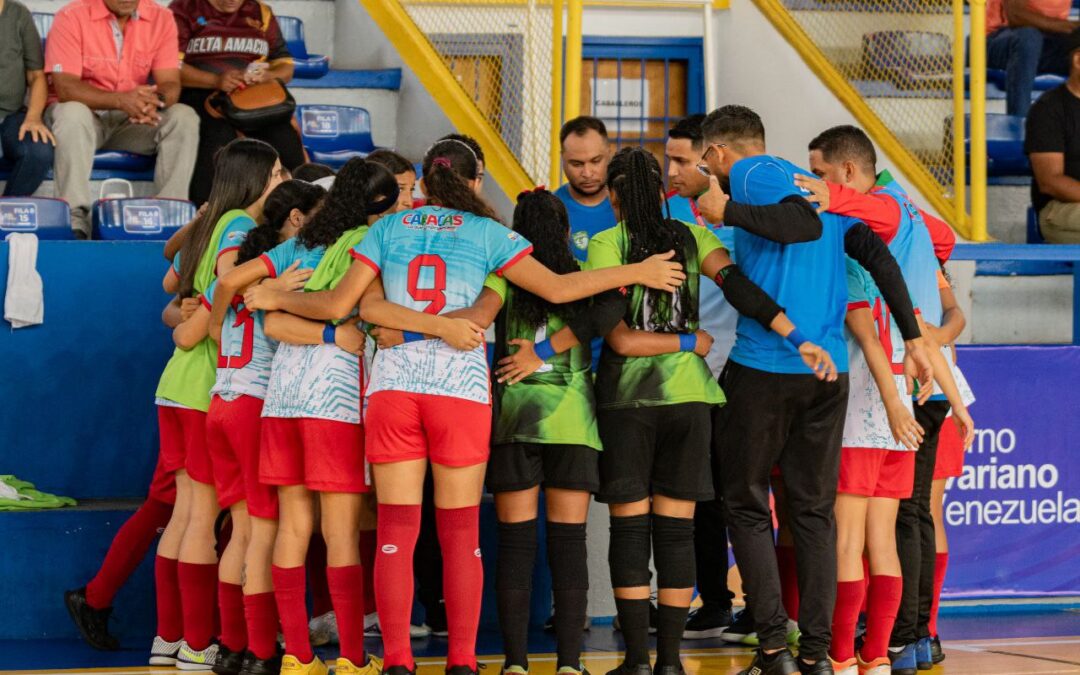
<point x="214" y="41"/>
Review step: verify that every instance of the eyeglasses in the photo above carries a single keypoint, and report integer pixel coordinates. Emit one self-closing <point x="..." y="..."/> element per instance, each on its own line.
<point x="702" y="167"/>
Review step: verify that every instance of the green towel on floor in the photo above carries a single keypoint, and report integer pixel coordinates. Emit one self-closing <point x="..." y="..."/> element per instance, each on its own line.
<point x="19" y="495"/>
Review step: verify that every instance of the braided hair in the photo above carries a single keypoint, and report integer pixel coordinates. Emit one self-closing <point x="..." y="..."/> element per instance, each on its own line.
<point x="279" y="204"/>
<point x="540" y="217"/>
<point x="361" y="189"/>
<point x="635" y="178"/>
<point x="448" y="164"/>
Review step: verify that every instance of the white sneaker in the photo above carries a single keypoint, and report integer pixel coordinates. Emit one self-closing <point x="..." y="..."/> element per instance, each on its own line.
<point x="371" y="625"/>
<point x="164" y="653"/>
<point x="190" y="660"/>
<point x="323" y="629"/>
<point x="418" y="632"/>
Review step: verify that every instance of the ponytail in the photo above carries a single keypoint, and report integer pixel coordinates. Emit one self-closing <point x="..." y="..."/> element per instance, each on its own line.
<point x="448" y="166"/>
<point x="292" y="194"/>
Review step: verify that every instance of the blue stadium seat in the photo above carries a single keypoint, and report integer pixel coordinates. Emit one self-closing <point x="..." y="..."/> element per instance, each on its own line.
<point x="120" y="164"/>
<point x="1004" y="145"/>
<point x="47" y="218"/>
<point x="140" y="218"/>
<point x="334" y="134"/>
<point x="1034" y="234"/>
<point x="307" y="66"/>
<point x="1042" y="82"/>
<point x="908" y="59"/>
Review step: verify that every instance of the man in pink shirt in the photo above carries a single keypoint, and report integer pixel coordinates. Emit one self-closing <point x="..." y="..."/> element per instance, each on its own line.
<point x="100" y="56"/>
<point x="1025" y="38"/>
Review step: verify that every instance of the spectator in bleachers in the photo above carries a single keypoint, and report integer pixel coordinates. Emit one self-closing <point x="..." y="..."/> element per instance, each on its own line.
<point x="1026" y="38"/>
<point x="1053" y="145"/>
<point x="100" y="56"/>
<point x="229" y="45"/>
<point x="586" y="153"/>
<point x="25" y="141"/>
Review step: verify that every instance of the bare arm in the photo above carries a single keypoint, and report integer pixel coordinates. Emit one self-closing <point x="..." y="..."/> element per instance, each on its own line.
<point x="332" y="304"/>
<point x="459" y="333"/>
<point x="232" y="283"/>
<point x="170" y="316"/>
<point x="1018" y="14"/>
<point x="35" y="106"/>
<point x="193" y="331"/>
<point x="905" y="430"/>
<point x="1049" y="170"/>
<point x="171" y="283"/>
<point x="943" y="376"/>
<point x="952" y="319"/>
<point x="197" y="78"/>
<point x="296" y="330"/>
<point x="655" y="272"/>
<point x="168" y="85"/>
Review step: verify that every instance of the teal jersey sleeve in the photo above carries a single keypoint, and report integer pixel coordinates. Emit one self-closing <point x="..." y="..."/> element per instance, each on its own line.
<point x="504" y="246"/>
<point x="857" y="277"/>
<point x="235" y="233"/>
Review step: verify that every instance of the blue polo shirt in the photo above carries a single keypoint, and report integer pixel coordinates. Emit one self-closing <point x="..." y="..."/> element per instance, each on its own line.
<point x="809" y="279"/>
<point x="585" y="221"/>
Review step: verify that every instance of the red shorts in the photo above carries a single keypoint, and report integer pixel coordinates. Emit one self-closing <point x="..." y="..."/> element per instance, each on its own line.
<point x="232" y="434"/>
<point x="950" y="451"/>
<point x="322" y="455"/>
<point x="450" y="431"/>
<point x="182" y="438"/>
<point x="872" y="472"/>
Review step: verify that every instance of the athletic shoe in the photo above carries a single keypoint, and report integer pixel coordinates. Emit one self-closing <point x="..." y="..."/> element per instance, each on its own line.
<point x="670" y="670"/>
<point x="937" y="655"/>
<point x="793" y="635"/>
<point x="323" y="629"/>
<point x="193" y="660"/>
<point x="819" y="667"/>
<point x="878" y="666"/>
<point x="624" y="669"/>
<point x="93" y="624"/>
<point x="924" y="658"/>
<point x="372" y="629"/>
<point x="742" y="625"/>
<point x="654" y="615"/>
<point x="567" y="670"/>
<point x="253" y="665"/>
<point x="462" y="670"/>
<point x="419" y="632"/>
<point x="903" y="661"/>
<point x="290" y="665"/>
<point x="707" y="621"/>
<point x="392" y="670"/>
<point x="780" y="663"/>
<point x="228" y="661"/>
<point x="514" y="670"/>
<point x="164" y="653"/>
<point x="549" y="625"/>
<point x="849" y="667"/>
<point x="347" y="667"/>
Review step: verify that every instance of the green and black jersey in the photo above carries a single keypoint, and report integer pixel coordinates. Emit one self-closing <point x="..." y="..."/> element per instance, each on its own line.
<point x="645" y="381"/>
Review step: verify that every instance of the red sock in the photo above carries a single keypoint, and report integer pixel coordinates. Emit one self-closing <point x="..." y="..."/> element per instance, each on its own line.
<point x="463" y="580"/>
<point x="882" y="604"/>
<point x="398" y="528"/>
<point x="292" y="608"/>
<point x="170" y="617"/>
<point x="866" y="583"/>
<point x="127" y="550"/>
<point x="941" y="563"/>
<point x="347" y="592"/>
<point x="262" y="624"/>
<point x="316" y="571"/>
<point x="233" y="627"/>
<point x="849" y="597"/>
<point x="367" y="562"/>
<point x="198" y="582"/>
<point x="789" y="580"/>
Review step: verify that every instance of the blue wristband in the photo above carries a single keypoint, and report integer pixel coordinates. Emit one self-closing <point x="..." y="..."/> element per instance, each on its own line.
<point x="544" y="350"/>
<point x="796" y="338"/>
<point x="687" y="342"/>
<point x="411" y="336"/>
<point x="329" y="332"/>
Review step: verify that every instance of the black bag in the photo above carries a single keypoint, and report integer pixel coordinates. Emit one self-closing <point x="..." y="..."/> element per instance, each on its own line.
<point x="254" y="107"/>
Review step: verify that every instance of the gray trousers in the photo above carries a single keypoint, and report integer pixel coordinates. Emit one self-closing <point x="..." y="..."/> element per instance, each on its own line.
<point x="81" y="131"/>
<point x="1060" y="222"/>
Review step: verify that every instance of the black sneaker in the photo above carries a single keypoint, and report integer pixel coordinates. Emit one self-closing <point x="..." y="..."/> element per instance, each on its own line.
<point x="93" y="624"/>
<point x="742" y="624"/>
<point x="937" y="655"/>
<point x="670" y="670"/>
<point x="819" y="667"/>
<point x="780" y="663"/>
<point x="253" y="665"/>
<point x="228" y="661"/>
<point x="398" y="670"/>
<point x="707" y="621"/>
<point x="624" y="669"/>
<point x="462" y="670"/>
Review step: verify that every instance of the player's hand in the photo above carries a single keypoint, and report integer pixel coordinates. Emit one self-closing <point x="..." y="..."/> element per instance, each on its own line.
<point x="704" y="343"/>
<point x="461" y="334"/>
<point x="188" y="307"/>
<point x="519" y="365"/>
<point x="917" y="368"/>
<point x="818" y="360"/>
<point x="965" y="425"/>
<point x="818" y="189"/>
<point x="292" y="279"/>
<point x="903" y="425"/>
<point x="261" y="297"/>
<point x="386" y="338"/>
<point x="660" y="272"/>
<point x="350" y="338"/>
<point x="713" y="203"/>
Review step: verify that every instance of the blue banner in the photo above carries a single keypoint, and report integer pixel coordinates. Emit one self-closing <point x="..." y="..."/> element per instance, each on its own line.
<point x="1013" y="517"/>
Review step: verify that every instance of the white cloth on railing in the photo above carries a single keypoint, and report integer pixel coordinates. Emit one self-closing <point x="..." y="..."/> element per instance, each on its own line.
<point x="24" y="301"/>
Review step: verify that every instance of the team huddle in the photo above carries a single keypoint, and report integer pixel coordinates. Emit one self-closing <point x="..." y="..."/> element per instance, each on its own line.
<point x="330" y="348"/>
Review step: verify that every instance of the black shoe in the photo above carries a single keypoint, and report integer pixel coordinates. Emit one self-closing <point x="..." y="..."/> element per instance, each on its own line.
<point x="398" y="670"/>
<point x="624" y="669"/>
<point x="707" y="621"/>
<point x="228" y="661"/>
<point x="936" y="653"/>
<point x="435" y="618"/>
<point x="93" y="623"/>
<point x="819" y="667"/>
<point x="670" y="670"/>
<point x="253" y="665"/>
<point x="742" y="624"/>
<point x="780" y="663"/>
<point x="462" y="670"/>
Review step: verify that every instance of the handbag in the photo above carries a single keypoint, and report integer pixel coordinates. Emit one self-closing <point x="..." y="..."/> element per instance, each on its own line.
<point x="254" y="107"/>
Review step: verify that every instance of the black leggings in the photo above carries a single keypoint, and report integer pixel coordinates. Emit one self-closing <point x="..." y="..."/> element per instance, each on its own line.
<point x="215" y="133"/>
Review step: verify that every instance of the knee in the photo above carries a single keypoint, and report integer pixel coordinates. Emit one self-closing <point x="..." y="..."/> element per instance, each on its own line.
<point x="182" y="119"/>
<point x="673" y="551"/>
<point x="1027" y="41"/>
<point x="37" y="153"/>
<point x="72" y="119"/>
<point x="849" y="545"/>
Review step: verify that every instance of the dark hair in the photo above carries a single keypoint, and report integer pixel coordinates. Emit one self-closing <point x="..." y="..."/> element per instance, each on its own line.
<point x="447" y="165"/>
<point x="846" y="143"/>
<point x="292" y="194"/>
<point x="540" y="217"/>
<point x="690" y="129"/>
<point x="311" y="172"/>
<point x="579" y="126"/>
<point x="733" y="124"/>
<point x="241" y="171"/>
<point x="473" y="144"/>
<point x="391" y="160"/>
<point x="361" y="188"/>
<point x="634" y="176"/>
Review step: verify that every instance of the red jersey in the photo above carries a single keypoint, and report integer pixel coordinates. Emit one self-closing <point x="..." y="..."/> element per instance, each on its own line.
<point x="882" y="214"/>
<point x="214" y="41"/>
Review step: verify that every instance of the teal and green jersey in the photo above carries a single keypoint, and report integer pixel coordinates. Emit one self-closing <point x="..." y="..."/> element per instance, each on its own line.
<point x="667" y="379"/>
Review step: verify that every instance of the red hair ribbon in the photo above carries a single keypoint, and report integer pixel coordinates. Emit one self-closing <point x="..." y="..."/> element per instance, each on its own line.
<point x="441" y="161"/>
<point x="536" y="190"/>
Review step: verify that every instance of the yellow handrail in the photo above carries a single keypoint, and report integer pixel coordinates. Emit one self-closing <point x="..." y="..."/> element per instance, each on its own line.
<point x="959" y="159"/>
<point x="556" y="89"/>
<point x="978" y="120"/>
<point x="572" y="92"/>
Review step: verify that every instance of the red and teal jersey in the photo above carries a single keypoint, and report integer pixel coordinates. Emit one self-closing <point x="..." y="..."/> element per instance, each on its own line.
<point x="245" y="354"/>
<point x="435" y="260"/>
<point x="914" y="252"/>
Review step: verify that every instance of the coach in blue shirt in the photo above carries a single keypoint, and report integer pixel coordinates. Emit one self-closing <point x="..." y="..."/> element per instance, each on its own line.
<point x="777" y="411"/>
<point x="586" y="152"/>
